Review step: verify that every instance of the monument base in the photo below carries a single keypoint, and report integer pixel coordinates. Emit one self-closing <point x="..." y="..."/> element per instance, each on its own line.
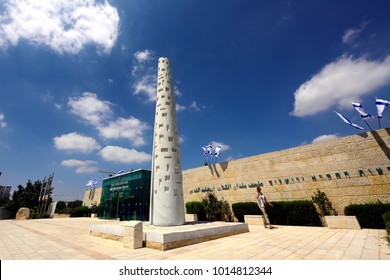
<point x="166" y="238"/>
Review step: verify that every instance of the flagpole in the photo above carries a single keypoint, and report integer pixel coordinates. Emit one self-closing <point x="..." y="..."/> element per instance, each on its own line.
<point x="379" y="120"/>
<point x="368" y="125"/>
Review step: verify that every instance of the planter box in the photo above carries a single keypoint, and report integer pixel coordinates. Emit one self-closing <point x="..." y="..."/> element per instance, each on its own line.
<point x="342" y="222"/>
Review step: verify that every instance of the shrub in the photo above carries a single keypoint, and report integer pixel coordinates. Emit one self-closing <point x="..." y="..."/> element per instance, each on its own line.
<point x="196" y="207"/>
<point x="295" y="213"/>
<point x="299" y="212"/>
<point x="36" y="215"/>
<point x="80" y="211"/>
<point x="245" y="208"/>
<point x="386" y="218"/>
<point x="324" y="205"/>
<point x="369" y="215"/>
<point x="210" y="209"/>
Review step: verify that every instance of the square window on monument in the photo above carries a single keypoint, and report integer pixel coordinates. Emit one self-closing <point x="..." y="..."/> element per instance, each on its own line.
<point x="157" y="168"/>
<point x="167" y="178"/>
<point x="164" y="150"/>
<point x="167" y="167"/>
<point x="164" y="114"/>
<point x="166" y="189"/>
<point x="174" y="150"/>
<point x="176" y="192"/>
<point x="167" y="127"/>
<point x="170" y="139"/>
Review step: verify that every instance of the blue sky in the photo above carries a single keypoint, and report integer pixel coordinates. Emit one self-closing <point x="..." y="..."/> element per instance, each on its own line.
<point x="77" y="80"/>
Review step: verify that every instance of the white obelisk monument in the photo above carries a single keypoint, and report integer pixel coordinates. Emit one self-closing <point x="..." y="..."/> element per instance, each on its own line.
<point x="167" y="201"/>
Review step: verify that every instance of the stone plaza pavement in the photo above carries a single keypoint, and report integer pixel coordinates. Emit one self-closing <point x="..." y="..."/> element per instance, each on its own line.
<point x="69" y="239"/>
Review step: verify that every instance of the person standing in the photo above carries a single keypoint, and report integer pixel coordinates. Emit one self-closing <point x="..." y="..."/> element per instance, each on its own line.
<point x="263" y="202"/>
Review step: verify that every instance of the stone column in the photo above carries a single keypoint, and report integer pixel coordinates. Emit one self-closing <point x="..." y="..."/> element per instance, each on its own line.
<point x="167" y="188"/>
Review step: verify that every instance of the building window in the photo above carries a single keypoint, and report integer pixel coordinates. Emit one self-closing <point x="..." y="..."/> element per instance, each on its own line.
<point x="175" y="192"/>
<point x="164" y="150"/>
<point x="174" y="150"/>
<point x="167" y="178"/>
<point x="166" y="189"/>
<point x="167" y="167"/>
<point x="170" y="139"/>
<point x="164" y="114"/>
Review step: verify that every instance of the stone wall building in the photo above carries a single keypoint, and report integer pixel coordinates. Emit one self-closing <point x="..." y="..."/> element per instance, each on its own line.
<point x="353" y="169"/>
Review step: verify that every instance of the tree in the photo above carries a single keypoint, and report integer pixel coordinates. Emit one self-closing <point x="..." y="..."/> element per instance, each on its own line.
<point x="33" y="196"/>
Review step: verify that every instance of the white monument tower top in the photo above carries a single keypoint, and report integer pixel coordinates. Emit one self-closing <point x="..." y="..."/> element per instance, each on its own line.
<point x="167" y="189"/>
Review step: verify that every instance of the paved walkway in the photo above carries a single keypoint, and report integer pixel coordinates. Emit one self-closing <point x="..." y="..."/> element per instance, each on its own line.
<point x="69" y="239"/>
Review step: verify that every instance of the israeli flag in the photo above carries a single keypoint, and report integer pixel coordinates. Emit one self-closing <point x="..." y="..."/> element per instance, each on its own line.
<point x="380" y="106"/>
<point x="365" y="116"/>
<point x="91" y="184"/>
<point x="205" y="151"/>
<point x="209" y="149"/>
<point x="217" y="150"/>
<point x="119" y="172"/>
<point x="348" y="121"/>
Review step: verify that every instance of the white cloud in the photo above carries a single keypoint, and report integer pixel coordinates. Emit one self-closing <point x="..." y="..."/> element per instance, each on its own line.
<point x="74" y="142"/>
<point x="122" y="155"/>
<point x="64" y="26"/>
<point x="90" y="108"/>
<point x="339" y="83"/>
<point x="82" y="166"/>
<point x="323" y="138"/>
<point x="143" y="56"/>
<point x="225" y="147"/>
<point x="351" y="34"/>
<point x="146" y="85"/>
<point x="180" y="108"/>
<point x="194" y="106"/>
<point x="131" y="128"/>
<point x="2" y="122"/>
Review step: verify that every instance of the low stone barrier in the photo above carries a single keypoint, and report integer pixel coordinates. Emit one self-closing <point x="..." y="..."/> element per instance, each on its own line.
<point x="256" y="220"/>
<point x="342" y="222"/>
<point x="61" y="216"/>
<point x="129" y="233"/>
<point x="132" y="237"/>
<point x="191" y="217"/>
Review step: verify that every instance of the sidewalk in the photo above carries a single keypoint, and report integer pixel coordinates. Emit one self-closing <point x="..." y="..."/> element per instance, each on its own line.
<point x="69" y="239"/>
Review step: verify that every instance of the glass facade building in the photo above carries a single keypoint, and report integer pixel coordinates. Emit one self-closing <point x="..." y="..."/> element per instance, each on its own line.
<point x="126" y="196"/>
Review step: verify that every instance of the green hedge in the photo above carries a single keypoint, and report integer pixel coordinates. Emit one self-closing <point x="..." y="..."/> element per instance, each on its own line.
<point x="369" y="215"/>
<point x="196" y="207"/>
<point x="245" y="208"/>
<point x="298" y="212"/>
<point x="81" y="211"/>
<point x="386" y="218"/>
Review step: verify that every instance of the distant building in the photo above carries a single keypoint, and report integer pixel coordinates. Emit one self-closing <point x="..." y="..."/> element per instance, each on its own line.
<point x="92" y="196"/>
<point x="126" y="196"/>
<point x="350" y="170"/>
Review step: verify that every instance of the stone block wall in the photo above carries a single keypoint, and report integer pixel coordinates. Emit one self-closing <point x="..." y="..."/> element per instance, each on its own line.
<point x="353" y="169"/>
